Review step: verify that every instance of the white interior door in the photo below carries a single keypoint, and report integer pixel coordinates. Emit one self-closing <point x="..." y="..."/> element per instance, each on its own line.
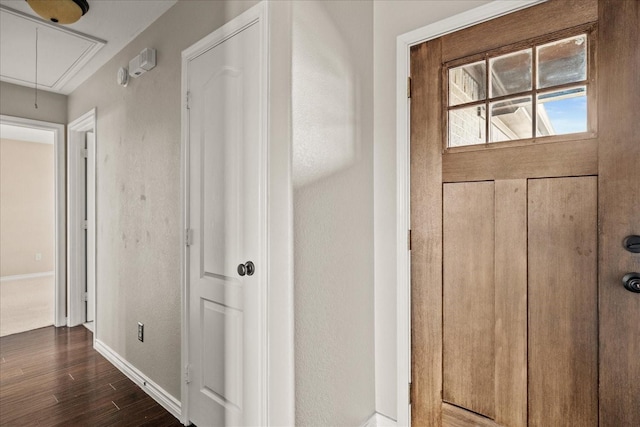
<point x="80" y="225"/>
<point x="81" y="181"/>
<point x="224" y="218"/>
<point x="90" y="188"/>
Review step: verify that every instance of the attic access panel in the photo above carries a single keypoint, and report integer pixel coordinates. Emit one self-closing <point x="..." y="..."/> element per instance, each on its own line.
<point x="61" y="51"/>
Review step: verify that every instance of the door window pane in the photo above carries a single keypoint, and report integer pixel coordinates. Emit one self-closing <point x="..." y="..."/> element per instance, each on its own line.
<point x="562" y="112"/>
<point x="467" y="83"/>
<point x="562" y="62"/>
<point x="511" y="119"/>
<point x="505" y="86"/>
<point x="467" y="126"/>
<point x="510" y="73"/>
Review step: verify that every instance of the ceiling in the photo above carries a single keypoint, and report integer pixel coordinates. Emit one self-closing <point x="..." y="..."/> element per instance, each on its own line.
<point x="69" y="54"/>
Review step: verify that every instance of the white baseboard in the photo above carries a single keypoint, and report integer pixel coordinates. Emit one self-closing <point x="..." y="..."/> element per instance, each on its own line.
<point x="169" y="402"/>
<point x="379" y="420"/>
<point x="26" y="276"/>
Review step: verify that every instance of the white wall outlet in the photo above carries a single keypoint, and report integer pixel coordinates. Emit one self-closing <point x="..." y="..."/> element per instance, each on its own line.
<point x="38" y="256"/>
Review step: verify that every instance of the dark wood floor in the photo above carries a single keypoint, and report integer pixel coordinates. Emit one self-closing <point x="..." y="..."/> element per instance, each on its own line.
<point x="54" y="377"/>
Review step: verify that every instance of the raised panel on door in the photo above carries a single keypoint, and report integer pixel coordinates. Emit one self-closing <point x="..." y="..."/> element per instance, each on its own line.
<point x="468" y="296"/>
<point x="511" y="266"/>
<point x="485" y="302"/>
<point x="222" y="342"/>
<point x="563" y="301"/>
<point x="224" y="214"/>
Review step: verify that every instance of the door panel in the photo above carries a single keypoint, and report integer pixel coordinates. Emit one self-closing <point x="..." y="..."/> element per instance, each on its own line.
<point x="222" y="341"/>
<point x="221" y="221"/>
<point x="224" y="214"/>
<point x="563" y="305"/>
<point x="468" y="298"/>
<point x="511" y="302"/>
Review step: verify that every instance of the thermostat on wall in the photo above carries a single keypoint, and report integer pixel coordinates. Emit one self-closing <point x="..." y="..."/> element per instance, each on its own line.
<point x="142" y="63"/>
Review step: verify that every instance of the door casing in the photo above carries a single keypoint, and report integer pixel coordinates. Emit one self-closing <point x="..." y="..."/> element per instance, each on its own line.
<point x="76" y="131"/>
<point x="403" y="223"/>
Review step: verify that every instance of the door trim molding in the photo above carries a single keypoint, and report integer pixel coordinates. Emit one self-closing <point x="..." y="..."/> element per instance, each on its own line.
<point x="60" y="263"/>
<point x="271" y="330"/>
<point x="404" y="42"/>
<point x="75" y="135"/>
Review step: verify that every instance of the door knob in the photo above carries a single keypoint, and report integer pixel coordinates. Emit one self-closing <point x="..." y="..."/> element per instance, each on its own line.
<point x="631" y="282"/>
<point x="247" y="268"/>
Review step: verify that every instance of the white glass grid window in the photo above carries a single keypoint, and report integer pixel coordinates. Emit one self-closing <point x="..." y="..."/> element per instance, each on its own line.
<point x="537" y="92"/>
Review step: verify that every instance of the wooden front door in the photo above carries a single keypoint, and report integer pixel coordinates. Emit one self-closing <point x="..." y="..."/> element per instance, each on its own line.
<point x="519" y="314"/>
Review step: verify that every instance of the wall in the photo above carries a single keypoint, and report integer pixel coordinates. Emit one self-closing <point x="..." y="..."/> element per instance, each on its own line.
<point x="333" y="211"/>
<point x="18" y="101"/>
<point x="27" y="216"/>
<point x="138" y="190"/>
<point x="391" y="19"/>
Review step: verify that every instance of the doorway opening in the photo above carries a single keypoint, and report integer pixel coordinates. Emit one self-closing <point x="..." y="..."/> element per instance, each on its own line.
<point x="32" y="246"/>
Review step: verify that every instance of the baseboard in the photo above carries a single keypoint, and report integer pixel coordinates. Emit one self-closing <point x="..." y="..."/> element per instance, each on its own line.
<point x="26" y="276"/>
<point x="167" y="401"/>
<point x="379" y="420"/>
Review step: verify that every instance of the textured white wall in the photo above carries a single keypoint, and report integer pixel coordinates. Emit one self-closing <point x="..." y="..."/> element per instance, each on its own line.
<point x="391" y="19"/>
<point x="138" y="190"/>
<point x="333" y="211"/>
<point x="19" y="101"/>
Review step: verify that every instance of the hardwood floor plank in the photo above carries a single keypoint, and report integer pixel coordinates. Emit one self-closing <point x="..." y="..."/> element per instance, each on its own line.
<point x="54" y="377"/>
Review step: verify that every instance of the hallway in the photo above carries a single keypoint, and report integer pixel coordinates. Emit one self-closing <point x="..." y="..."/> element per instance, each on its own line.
<point x="53" y="376"/>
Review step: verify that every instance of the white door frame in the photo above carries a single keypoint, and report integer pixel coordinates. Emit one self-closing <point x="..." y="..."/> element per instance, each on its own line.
<point x="76" y="131"/>
<point x="277" y="390"/>
<point x="59" y="318"/>
<point x="404" y="42"/>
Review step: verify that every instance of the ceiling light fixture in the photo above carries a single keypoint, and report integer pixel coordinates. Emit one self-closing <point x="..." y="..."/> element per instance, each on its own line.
<point x="60" y="11"/>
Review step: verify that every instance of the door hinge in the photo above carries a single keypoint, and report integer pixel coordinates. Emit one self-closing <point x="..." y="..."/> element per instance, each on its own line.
<point x="85" y="224"/>
<point x="187" y="374"/>
<point x="408" y="87"/>
<point x="409" y="240"/>
<point x="187" y="100"/>
<point x="410" y="393"/>
<point x="85" y="297"/>
<point x="84" y="153"/>
<point x="188" y="237"/>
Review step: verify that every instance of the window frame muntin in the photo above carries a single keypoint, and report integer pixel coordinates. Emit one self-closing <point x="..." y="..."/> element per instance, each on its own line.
<point x="590" y="83"/>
